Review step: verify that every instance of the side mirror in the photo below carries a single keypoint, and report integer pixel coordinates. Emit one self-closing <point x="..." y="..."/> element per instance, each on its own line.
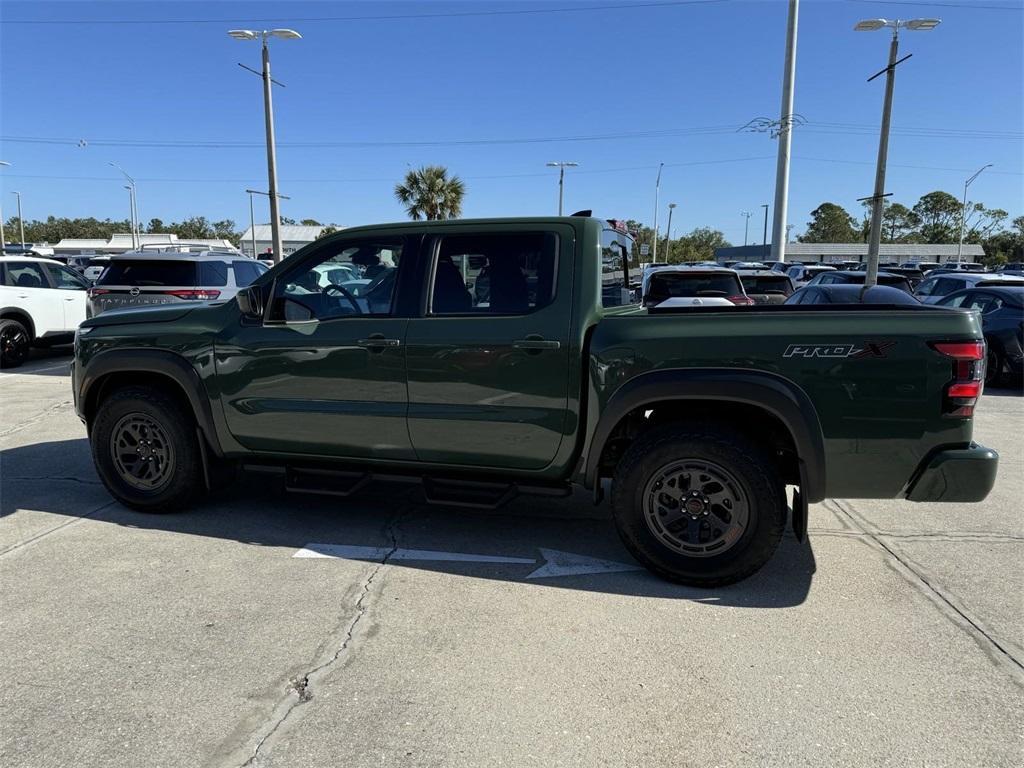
<point x="250" y="301"/>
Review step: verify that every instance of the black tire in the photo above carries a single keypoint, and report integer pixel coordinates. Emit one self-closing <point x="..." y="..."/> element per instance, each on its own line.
<point x="993" y="366"/>
<point x="750" y="527"/>
<point x="15" y="343"/>
<point x="168" y="471"/>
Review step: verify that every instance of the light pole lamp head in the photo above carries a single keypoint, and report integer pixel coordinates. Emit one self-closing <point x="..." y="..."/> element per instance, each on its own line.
<point x="4" y="163"/>
<point x="922" y="25"/>
<point x="671" y="206"/>
<point x="286" y="34"/>
<point x="870" y="25"/>
<point x="243" y="34"/>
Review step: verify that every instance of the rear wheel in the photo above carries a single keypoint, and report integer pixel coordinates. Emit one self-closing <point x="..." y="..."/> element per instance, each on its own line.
<point x="698" y="505"/>
<point x="145" y="450"/>
<point x="14" y="344"/>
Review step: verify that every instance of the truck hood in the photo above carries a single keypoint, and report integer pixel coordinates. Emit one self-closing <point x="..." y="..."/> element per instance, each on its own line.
<point x="164" y="313"/>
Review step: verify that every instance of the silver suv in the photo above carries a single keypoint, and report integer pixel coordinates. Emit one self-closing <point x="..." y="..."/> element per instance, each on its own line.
<point x="171" y="274"/>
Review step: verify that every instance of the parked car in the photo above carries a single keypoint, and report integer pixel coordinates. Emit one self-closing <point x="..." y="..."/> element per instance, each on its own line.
<point x="693" y="286"/>
<point x="700" y="419"/>
<point x="967" y="266"/>
<point x="171" y="275"/>
<point x="781" y="266"/>
<point x="913" y="274"/>
<point x="1001" y="304"/>
<point x="851" y="293"/>
<point x="94" y="268"/>
<point x="767" y="287"/>
<point x="924" y="266"/>
<point x="1014" y="268"/>
<point x="746" y="266"/>
<point x="849" y="277"/>
<point x="41" y="304"/>
<point x="937" y="285"/>
<point x="801" y="273"/>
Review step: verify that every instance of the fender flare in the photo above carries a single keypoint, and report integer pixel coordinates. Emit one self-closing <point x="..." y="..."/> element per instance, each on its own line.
<point x="772" y="393"/>
<point x="162" y="363"/>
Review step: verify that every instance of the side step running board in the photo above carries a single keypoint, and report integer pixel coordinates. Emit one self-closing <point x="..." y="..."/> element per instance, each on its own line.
<point x="330" y="482"/>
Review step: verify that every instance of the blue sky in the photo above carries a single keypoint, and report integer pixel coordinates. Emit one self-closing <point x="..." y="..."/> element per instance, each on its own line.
<point x="374" y="87"/>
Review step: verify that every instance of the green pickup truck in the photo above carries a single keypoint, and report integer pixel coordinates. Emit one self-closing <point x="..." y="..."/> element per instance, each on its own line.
<point x="491" y="358"/>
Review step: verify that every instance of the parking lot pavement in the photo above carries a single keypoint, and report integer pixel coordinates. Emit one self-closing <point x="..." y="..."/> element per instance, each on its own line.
<point x="893" y="637"/>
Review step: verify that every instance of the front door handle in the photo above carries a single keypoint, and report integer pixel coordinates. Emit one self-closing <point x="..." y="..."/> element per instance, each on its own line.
<point x="377" y="343"/>
<point x="535" y="343"/>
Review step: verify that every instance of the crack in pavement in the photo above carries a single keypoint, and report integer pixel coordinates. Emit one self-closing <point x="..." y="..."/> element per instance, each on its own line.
<point x="948" y="605"/>
<point x="950" y="536"/>
<point x="63" y="478"/>
<point x="298" y="690"/>
<point x="56" y="528"/>
<point x="37" y="418"/>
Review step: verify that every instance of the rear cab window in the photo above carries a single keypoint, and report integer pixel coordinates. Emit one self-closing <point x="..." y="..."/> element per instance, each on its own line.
<point x="616" y="249"/>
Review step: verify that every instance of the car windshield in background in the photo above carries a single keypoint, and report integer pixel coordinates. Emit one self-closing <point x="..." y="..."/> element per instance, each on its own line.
<point x="149" y="272"/>
<point x="667" y="285"/>
<point x="768" y="284"/>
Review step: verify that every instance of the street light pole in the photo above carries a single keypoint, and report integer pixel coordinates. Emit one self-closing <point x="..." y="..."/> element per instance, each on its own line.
<point x="561" y="166"/>
<point x="785" y="137"/>
<point x="746" y="224"/>
<point x="252" y="218"/>
<point x="268" y="115"/>
<point x="134" y="221"/>
<point x="878" y="196"/>
<point x="764" y="243"/>
<point x="657" y="193"/>
<point x="668" y="233"/>
<point x="963" y="213"/>
<point x="21" y="221"/>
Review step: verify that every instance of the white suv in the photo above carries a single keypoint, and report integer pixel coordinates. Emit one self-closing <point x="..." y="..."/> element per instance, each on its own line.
<point x="41" y="304"/>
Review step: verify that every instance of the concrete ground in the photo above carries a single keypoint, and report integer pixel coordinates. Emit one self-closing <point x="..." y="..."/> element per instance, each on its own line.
<point x="895" y="636"/>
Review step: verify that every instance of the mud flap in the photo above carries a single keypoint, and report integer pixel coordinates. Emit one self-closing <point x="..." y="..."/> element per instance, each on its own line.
<point x="799" y="515"/>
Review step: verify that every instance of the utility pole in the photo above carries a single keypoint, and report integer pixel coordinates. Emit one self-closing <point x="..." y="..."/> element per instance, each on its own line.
<point x="134" y="221"/>
<point x="963" y="213"/>
<point x="268" y="116"/>
<point x="3" y="242"/>
<point x="657" y="192"/>
<point x="878" y="197"/>
<point x="785" y="137"/>
<point x="746" y="224"/>
<point x="21" y="221"/>
<point x="764" y="243"/>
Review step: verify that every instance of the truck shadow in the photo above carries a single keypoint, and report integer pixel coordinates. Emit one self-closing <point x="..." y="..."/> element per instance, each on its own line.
<point x="256" y="512"/>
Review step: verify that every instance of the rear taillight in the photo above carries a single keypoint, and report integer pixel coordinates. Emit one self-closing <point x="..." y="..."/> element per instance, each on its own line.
<point x="201" y="294"/>
<point x="963" y="391"/>
<point x="742" y="301"/>
<point x="96" y="292"/>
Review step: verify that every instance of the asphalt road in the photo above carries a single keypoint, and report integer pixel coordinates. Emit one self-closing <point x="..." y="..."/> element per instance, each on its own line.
<point x="895" y="636"/>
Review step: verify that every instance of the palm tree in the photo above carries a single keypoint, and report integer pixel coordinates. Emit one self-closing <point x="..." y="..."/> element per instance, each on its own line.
<point x="429" y="193"/>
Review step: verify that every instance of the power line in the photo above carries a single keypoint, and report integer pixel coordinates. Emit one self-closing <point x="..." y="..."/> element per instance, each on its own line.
<point x="972" y="6"/>
<point x="380" y="17"/>
<point x="898" y="165"/>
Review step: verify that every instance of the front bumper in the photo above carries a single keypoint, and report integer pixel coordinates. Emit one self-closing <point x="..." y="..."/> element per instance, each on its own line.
<point x="955" y="474"/>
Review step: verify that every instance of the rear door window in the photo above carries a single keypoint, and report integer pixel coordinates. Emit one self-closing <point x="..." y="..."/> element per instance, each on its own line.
<point x="246" y="272"/>
<point x="150" y="272"/>
<point x="66" y="279"/>
<point x="670" y="285"/>
<point x="25" y="274"/>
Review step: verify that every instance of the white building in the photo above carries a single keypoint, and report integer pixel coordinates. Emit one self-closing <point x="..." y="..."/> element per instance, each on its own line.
<point x="834" y="252"/>
<point x="293" y="237"/>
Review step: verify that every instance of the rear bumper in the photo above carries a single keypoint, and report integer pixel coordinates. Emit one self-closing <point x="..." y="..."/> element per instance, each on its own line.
<point x="955" y="474"/>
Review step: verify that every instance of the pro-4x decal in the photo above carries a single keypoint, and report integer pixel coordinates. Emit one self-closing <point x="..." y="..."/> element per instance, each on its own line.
<point x="865" y="350"/>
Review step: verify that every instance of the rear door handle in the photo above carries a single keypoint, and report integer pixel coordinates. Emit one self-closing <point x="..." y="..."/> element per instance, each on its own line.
<point x="536" y="343"/>
<point x="378" y="343"/>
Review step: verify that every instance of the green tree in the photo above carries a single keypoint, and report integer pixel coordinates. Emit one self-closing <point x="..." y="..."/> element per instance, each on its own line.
<point x="830" y="223"/>
<point x="899" y="223"/>
<point x="939" y="213"/>
<point x="156" y="226"/>
<point x="430" y="193"/>
<point x="311" y="223"/>
<point x="698" y="245"/>
<point x="329" y="229"/>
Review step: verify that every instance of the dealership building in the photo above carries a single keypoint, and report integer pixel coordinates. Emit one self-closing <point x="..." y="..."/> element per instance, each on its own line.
<point x="293" y="237"/>
<point x="838" y="252"/>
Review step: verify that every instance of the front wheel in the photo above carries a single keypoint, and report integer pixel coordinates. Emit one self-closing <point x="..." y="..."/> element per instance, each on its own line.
<point x="14" y="344"/>
<point x="145" y="450"/>
<point x="701" y="506"/>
